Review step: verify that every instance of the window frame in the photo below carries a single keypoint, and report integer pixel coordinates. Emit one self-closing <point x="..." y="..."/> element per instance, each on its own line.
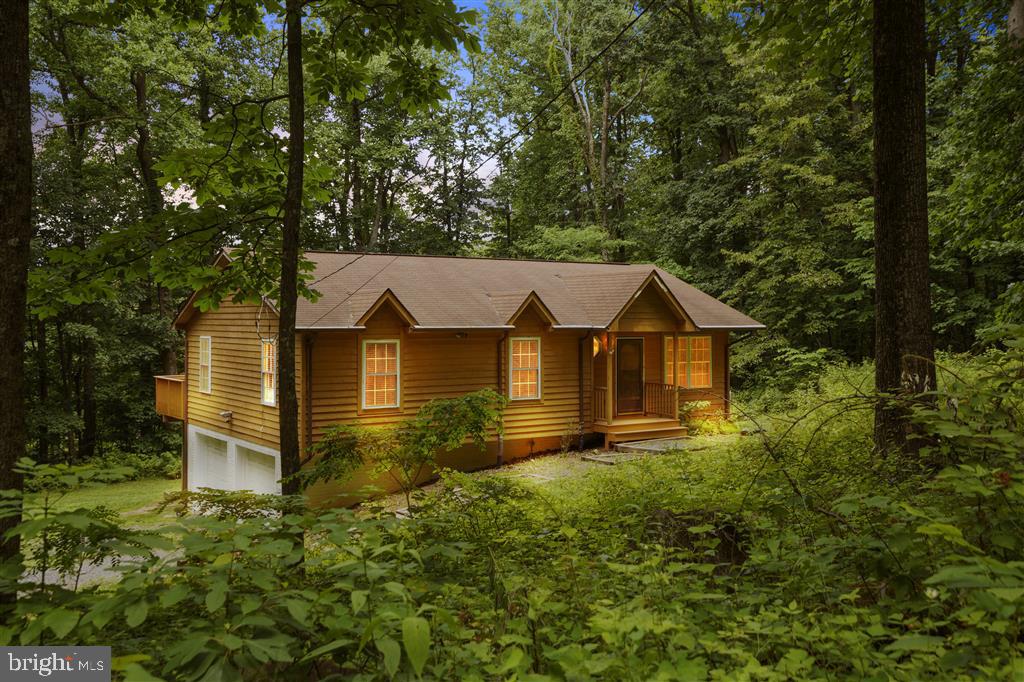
<point x="264" y="373"/>
<point x="540" y="367"/>
<point x="689" y="361"/>
<point x="398" y="375"/>
<point x="207" y="386"/>
<point x="685" y="381"/>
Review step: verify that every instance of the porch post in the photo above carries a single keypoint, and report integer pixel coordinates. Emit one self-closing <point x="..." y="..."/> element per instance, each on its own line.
<point x="675" y="375"/>
<point x="610" y="378"/>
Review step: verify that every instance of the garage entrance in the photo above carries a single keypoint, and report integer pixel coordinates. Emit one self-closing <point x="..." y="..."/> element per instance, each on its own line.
<point x="225" y="463"/>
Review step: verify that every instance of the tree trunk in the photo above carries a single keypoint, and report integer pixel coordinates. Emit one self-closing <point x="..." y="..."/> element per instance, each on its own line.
<point x="602" y="172"/>
<point x="15" y="238"/>
<point x="904" y="355"/>
<point x="154" y="202"/>
<point x="203" y="86"/>
<point x="357" y="180"/>
<point x="87" y="442"/>
<point x="42" y="360"/>
<point x="1015" y="23"/>
<point x="727" y="147"/>
<point x="147" y="171"/>
<point x="289" y="406"/>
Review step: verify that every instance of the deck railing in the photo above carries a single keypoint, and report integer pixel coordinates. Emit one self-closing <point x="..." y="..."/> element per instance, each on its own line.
<point x="660" y="400"/>
<point x="170" y="396"/>
<point x="600" y="403"/>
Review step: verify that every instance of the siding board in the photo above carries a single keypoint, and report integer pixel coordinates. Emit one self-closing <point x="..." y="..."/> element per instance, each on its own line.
<point x="433" y="364"/>
<point x="235" y="375"/>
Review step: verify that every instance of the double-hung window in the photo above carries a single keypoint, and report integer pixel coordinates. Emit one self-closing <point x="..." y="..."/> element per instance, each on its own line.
<point x="205" y="364"/>
<point x="381" y="373"/>
<point x="524" y="368"/>
<point x="691" y="360"/>
<point x="268" y="372"/>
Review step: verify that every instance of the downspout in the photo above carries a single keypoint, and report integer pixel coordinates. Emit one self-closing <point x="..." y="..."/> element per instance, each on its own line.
<point x="498" y="383"/>
<point x="184" y="423"/>
<point x="307" y="380"/>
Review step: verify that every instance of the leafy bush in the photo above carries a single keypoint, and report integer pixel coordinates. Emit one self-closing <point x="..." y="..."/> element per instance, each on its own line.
<point x="798" y="553"/>
<point x="407" y="451"/>
<point x="157" y="465"/>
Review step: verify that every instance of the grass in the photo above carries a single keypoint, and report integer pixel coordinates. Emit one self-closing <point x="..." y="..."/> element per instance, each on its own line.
<point x="133" y="500"/>
<point x="565" y="474"/>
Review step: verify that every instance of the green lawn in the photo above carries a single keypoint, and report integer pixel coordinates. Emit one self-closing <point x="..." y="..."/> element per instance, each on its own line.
<point x="134" y="500"/>
<point x="562" y="474"/>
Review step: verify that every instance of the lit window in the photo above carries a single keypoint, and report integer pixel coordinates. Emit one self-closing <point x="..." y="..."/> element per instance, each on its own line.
<point x="205" y="364"/>
<point x="692" y="360"/>
<point x="700" y="362"/>
<point x="524" y="368"/>
<point x="674" y="371"/>
<point x="268" y="373"/>
<point x="380" y="373"/>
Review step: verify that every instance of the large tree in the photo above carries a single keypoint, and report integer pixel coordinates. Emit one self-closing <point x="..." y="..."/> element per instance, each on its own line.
<point x="15" y="238"/>
<point x="289" y="293"/>
<point x="904" y="352"/>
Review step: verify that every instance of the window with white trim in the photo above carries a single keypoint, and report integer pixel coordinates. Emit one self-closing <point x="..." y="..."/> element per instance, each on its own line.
<point x="381" y="373"/>
<point x="692" y="361"/>
<point x="268" y="372"/>
<point x="205" y="364"/>
<point x="524" y="367"/>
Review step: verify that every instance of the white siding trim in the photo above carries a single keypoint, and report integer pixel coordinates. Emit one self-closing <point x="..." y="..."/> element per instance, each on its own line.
<point x="540" y="366"/>
<point x="263" y="363"/>
<point x="207" y="386"/>
<point x="398" y="374"/>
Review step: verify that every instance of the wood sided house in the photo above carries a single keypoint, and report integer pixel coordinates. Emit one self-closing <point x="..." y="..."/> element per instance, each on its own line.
<point x="598" y="349"/>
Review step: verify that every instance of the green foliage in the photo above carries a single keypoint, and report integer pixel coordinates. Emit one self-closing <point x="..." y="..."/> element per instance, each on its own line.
<point x="728" y="142"/>
<point x="796" y="553"/>
<point x="408" y="450"/>
<point x="222" y="504"/>
<point x="565" y="243"/>
<point x="160" y="465"/>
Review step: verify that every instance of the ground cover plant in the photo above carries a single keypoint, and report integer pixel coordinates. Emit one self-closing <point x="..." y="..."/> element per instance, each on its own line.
<point x="846" y="173"/>
<point x="793" y="553"/>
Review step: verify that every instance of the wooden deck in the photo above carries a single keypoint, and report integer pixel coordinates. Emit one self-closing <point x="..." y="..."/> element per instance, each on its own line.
<point x="625" y="429"/>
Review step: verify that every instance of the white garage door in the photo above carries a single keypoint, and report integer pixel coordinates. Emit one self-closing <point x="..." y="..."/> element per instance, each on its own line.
<point x="227" y="463"/>
<point x="256" y="471"/>
<point x="212" y="459"/>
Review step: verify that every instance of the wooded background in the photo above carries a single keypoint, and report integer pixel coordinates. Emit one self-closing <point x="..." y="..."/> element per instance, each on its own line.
<point x="729" y="142"/>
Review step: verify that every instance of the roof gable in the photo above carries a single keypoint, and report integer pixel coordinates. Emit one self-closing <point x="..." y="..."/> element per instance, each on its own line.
<point x="387" y="298"/>
<point x="436" y="292"/>
<point x="653" y="282"/>
<point x="534" y="301"/>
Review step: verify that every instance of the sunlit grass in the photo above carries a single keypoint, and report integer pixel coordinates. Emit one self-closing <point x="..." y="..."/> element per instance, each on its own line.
<point x="134" y="500"/>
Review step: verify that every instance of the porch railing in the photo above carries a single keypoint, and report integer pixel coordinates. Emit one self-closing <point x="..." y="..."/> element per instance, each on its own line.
<point x="660" y="400"/>
<point x="600" y="403"/>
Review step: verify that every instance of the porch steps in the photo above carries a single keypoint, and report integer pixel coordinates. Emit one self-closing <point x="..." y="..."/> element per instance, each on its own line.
<point x="639" y="428"/>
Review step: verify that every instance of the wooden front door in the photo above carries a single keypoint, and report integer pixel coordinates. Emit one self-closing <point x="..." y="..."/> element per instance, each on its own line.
<point x="629" y="376"/>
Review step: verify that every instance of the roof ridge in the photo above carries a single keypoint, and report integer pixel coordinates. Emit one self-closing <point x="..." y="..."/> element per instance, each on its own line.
<point x="488" y="258"/>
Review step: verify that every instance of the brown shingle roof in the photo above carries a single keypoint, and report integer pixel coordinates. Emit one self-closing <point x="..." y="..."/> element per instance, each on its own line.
<point x="466" y="293"/>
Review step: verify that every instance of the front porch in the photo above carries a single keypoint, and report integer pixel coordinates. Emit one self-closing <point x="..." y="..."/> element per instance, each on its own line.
<point x="631" y="400"/>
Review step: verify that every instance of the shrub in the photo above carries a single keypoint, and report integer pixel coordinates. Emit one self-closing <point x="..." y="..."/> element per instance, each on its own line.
<point x="795" y="554"/>
<point x="157" y="465"/>
<point x="409" y="450"/>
